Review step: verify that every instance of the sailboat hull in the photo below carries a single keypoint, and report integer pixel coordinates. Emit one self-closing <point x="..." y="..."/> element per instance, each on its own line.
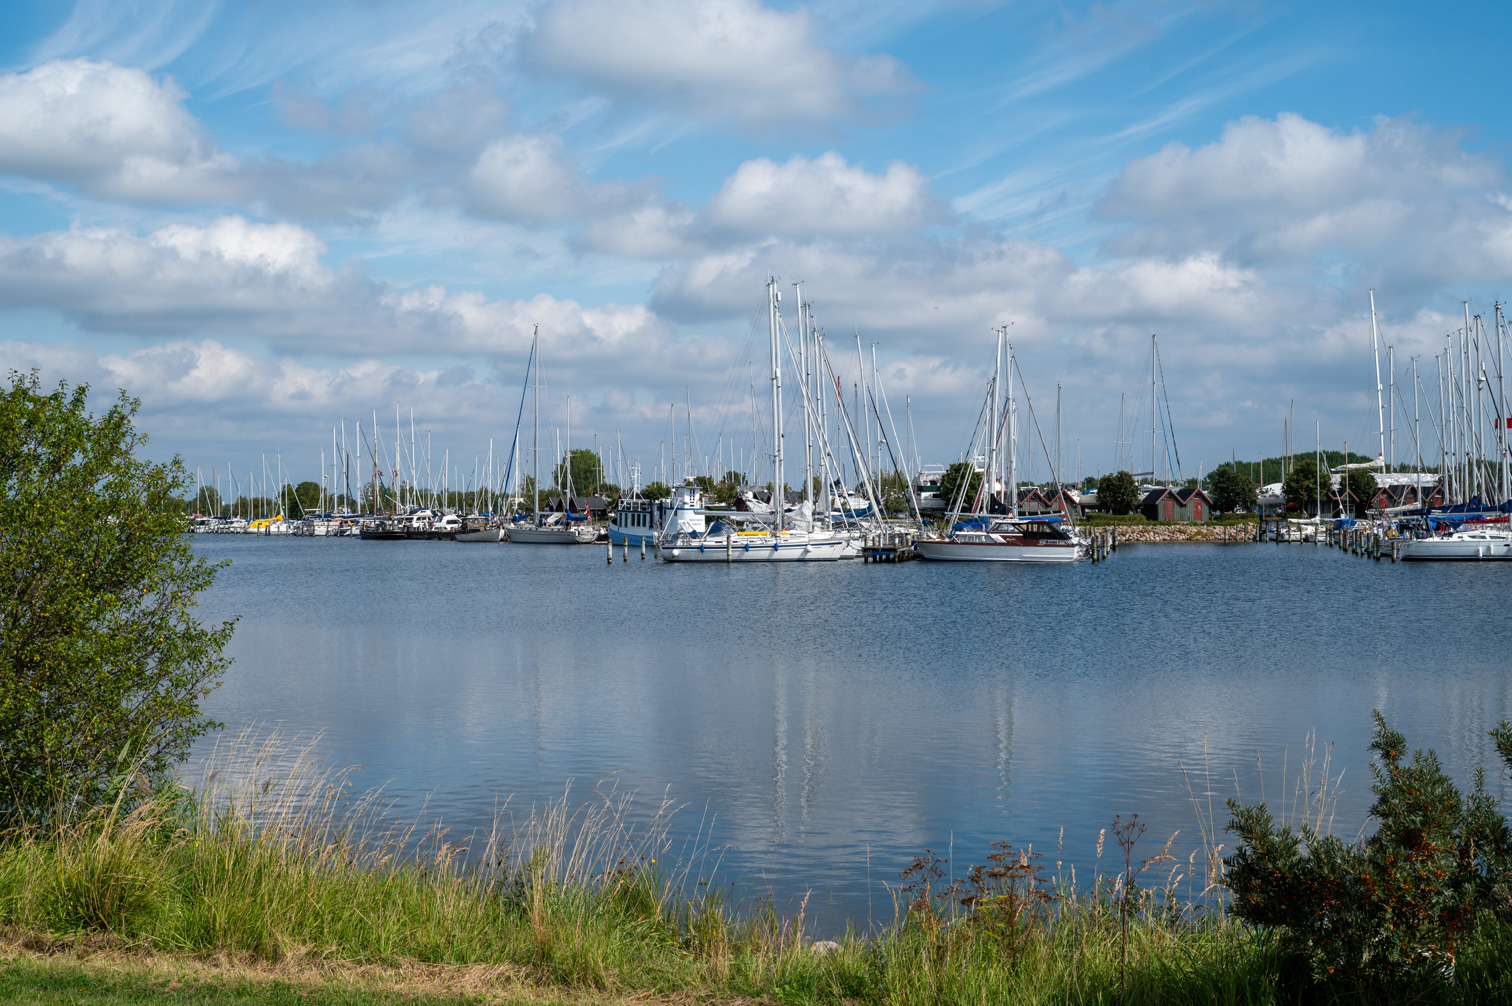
<point x="1480" y="547"/>
<point x="487" y="534"/>
<point x="973" y="551"/>
<point x="548" y="536"/>
<point x="762" y="549"/>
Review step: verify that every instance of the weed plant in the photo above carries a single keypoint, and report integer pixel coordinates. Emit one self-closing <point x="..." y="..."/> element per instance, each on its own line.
<point x="269" y="858"/>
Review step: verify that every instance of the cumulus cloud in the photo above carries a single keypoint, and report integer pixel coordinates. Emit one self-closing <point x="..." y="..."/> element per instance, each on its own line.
<point x="270" y="281"/>
<point x="1402" y="200"/>
<point x="114" y="130"/>
<point x="714" y="59"/>
<point x="823" y="196"/>
<point x="930" y="290"/>
<point x="120" y="133"/>
<point x="175" y="278"/>
<point x="657" y="229"/>
<point x="532" y="178"/>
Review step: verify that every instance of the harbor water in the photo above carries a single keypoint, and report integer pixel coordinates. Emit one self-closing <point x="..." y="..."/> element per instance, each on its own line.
<point x="826" y="722"/>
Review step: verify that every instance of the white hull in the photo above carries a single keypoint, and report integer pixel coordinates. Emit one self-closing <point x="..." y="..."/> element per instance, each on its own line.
<point x="1473" y="546"/>
<point x="488" y="534"/>
<point x="790" y="548"/>
<point x="550" y="536"/>
<point x="962" y="551"/>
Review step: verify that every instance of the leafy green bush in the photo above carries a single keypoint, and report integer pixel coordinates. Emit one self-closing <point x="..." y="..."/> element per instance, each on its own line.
<point x="102" y="662"/>
<point x="1117" y="493"/>
<point x="1392" y="910"/>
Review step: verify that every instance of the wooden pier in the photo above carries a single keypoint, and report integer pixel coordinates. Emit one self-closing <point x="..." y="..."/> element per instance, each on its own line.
<point x="888" y="546"/>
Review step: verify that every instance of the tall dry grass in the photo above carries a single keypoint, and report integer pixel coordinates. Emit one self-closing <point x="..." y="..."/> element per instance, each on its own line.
<point x="266" y="853"/>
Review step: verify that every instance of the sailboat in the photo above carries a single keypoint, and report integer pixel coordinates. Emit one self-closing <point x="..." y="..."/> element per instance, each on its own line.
<point x="989" y="537"/>
<point x="759" y="538"/>
<point x="554" y="529"/>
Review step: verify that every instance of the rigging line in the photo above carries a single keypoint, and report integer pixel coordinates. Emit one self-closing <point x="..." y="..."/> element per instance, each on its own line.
<point x="907" y="480"/>
<point x="1054" y="475"/>
<point x="1169" y="424"/>
<point x="519" y="416"/>
<point x="849" y="432"/>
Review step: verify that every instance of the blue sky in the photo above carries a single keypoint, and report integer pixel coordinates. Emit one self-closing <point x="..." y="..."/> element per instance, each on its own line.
<point x="262" y="218"/>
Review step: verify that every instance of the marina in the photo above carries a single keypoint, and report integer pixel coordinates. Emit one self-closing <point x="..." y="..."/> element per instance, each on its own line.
<point x="822" y="727"/>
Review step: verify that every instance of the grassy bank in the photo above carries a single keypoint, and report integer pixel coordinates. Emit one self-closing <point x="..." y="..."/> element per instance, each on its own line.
<point x="278" y="884"/>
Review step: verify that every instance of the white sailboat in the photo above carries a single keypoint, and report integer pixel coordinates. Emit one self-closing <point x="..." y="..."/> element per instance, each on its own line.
<point x="998" y="537"/>
<point x="768" y="540"/>
<point x="1466" y="544"/>
<point x="554" y="530"/>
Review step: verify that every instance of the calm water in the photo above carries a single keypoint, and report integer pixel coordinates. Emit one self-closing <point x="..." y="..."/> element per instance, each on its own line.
<point x="834" y="719"/>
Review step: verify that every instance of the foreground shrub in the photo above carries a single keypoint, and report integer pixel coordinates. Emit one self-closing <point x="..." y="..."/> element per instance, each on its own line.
<point x="1393" y="911"/>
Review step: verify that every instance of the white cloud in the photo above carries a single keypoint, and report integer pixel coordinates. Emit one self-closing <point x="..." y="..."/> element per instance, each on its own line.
<point x="111" y="129"/>
<point x="270" y="282"/>
<point x="714" y="59"/>
<point x="1406" y="204"/>
<point x="823" y="196"/>
<point x="177" y="277"/>
<point x="654" y="230"/>
<point x="533" y="178"/>
<point x="530" y="176"/>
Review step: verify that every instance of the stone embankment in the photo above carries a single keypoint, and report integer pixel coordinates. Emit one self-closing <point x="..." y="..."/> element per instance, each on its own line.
<point x="1135" y="534"/>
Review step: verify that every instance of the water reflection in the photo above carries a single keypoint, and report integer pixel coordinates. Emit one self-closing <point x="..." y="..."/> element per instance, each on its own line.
<point x="837" y="719"/>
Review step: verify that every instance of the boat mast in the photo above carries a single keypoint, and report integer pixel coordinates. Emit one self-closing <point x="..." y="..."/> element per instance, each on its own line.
<point x="807" y="381"/>
<point x="535" y="443"/>
<point x="989" y="477"/>
<point x="774" y="297"/>
<point x="1152" y="408"/>
<point x="1012" y="431"/>
<point x="1502" y="406"/>
<point x="1375" y="356"/>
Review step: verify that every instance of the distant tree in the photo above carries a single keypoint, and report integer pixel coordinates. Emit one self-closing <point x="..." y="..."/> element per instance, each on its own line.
<point x="734" y="478"/>
<point x="102" y="662"/>
<point x="1364" y="487"/>
<point x="1117" y="493"/>
<point x="1089" y="483"/>
<point x="1300" y="487"/>
<point x="580" y="471"/>
<point x="206" y="500"/>
<point x="656" y="491"/>
<point x="893" y="487"/>
<point x="1232" y="491"/>
<point x="306" y="498"/>
<point x="950" y="485"/>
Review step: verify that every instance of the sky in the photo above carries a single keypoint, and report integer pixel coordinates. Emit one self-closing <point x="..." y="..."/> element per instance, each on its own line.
<point x="267" y="219"/>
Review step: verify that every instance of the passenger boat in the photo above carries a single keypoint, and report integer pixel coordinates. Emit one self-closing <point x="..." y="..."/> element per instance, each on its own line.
<point x="635" y="521"/>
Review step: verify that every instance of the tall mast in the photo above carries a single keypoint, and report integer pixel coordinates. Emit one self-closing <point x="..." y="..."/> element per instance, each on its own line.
<point x="1012" y="431"/>
<point x="993" y="429"/>
<point x="774" y="296"/>
<point x="1375" y="356"/>
<point x="1152" y="408"/>
<point x="1501" y="408"/>
<point x="1391" y="404"/>
<point x="535" y="442"/>
<point x="807" y="381"/>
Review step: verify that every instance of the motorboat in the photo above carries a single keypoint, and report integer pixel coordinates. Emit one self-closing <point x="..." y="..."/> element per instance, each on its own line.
<point x="1002" y="539"/>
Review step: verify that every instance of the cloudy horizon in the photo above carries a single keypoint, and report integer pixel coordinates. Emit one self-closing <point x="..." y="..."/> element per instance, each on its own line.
<point x="266" y="219"/>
